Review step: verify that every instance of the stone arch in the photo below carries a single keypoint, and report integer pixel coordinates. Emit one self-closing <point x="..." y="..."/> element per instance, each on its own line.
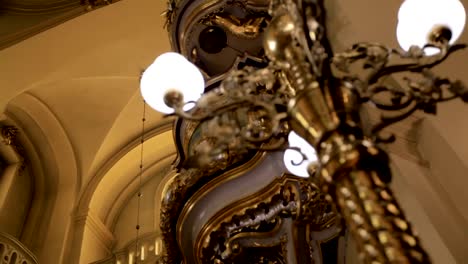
<point x="109" y="189"/>
<point x="50" y="154"/>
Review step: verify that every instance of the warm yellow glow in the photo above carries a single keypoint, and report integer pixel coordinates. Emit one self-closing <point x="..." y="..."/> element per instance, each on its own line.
<point x="143" y="251"/>
<point x="158" y="247"/>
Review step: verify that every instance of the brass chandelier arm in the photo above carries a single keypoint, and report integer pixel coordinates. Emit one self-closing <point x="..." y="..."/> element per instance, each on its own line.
<point x="418" y="61"/>
<point x="318" y="95"/>
<point x="352" y="172"/>
<point x="246" y="102"/>
<point x="376" y="221"/>
<point x="351" y="168"/>
<point x="380" y="61"/>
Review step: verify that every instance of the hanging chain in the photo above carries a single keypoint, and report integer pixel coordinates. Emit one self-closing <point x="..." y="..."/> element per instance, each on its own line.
<point x="139" y="194"/>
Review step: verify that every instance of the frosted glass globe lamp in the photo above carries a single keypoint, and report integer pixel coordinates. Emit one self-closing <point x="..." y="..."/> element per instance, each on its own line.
<point x="294" y="160"/>
<point x="419" y="20"/>
<point x="171" y="81"/>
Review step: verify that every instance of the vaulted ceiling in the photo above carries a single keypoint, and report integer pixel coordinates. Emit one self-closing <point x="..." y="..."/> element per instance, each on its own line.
<point x="73" y="86"/>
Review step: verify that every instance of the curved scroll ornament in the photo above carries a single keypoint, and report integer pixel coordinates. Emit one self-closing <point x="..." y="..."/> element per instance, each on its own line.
<point x="246" y="112"/>
<point x="170" y="208"/>
<point x="249" y="27"/>
<point x="170" y="13"/>
<point x="181" y="189"/>
<point x="422" y="90"/>
<point x="256" y="221"/>
<point x="261" y="247"/>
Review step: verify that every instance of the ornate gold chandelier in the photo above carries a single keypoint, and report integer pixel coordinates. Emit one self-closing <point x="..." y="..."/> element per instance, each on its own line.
<point x="295" y="86"/>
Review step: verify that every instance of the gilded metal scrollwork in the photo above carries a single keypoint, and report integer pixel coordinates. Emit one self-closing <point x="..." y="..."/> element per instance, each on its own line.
<point x="244" y="113"/>
<point x="422" y="91"/>
<point x="306" y="88"/>
<point x="377" y="220"/>
<point x="247" y="28"/>
<point x="170" y="207"/>
<point x="262" y="213"/>
<point x="345" y="155"/>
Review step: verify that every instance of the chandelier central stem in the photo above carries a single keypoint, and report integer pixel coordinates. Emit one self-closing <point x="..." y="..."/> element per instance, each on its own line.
<point x="286" y="82"/>
<point x="352" y="170"/>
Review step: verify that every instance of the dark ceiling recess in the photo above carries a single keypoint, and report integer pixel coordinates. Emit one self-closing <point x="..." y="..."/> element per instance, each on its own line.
<point x="2" y="166"/>
<point x="212" y="40"/>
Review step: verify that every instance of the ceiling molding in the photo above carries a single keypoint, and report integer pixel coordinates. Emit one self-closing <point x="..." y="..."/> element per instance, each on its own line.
<point x="160" y="168"/>
<point x="50" y="125"/>
<point x="92" y="184"/>
<point x="97" y="227"/>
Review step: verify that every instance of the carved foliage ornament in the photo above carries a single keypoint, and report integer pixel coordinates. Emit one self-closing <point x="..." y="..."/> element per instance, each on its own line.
<point x="170" y="208"/>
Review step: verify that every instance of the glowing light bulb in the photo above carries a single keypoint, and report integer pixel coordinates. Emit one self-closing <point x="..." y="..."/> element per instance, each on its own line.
<point x="417" y="18"/>
<point x="171" y="71"/>
<point x="293" y="160"/>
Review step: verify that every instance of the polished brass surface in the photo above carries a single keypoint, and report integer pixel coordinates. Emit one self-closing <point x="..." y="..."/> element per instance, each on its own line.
<point x="248" y="28"/>
<point x="340" y="144"/>
<point x="311" y="117"/>
<point x="304" y="87"/>
<point x="173" y="98"/>
<point x="341" y="152"/>
<point x="278" y="38"/>
<point x="352" y="172"/>
<point x="378" y="225"/>
<point x="440" y="34"/>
